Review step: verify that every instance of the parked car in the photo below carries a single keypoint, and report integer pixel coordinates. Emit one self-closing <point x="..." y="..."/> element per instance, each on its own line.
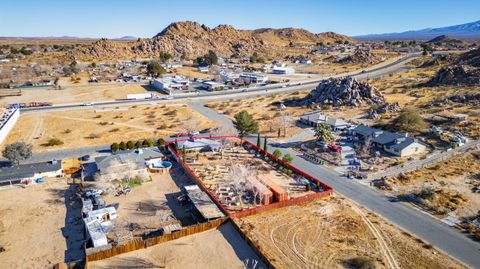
<point x="192" y="133"/>
<point x="87" y="104"/>
<point x="334" y="148"/>
<point x="204" y="131"/>
<point x="85" y="158"/>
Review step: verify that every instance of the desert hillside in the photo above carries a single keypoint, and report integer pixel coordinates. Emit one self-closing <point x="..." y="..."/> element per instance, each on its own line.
<point x="193" y="39"/>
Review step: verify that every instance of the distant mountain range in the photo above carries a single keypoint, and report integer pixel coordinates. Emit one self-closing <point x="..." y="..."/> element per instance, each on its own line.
<point x="465" y="31"/>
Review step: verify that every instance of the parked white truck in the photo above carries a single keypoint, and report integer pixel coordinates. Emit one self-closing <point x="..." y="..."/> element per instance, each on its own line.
<point x="142" y="96"/>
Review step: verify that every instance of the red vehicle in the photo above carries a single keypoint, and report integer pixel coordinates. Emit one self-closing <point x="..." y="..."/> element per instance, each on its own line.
<point x="334" y="148"/>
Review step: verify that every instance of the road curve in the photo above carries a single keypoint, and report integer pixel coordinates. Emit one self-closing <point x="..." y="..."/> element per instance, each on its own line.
<point x="372" y="72"/>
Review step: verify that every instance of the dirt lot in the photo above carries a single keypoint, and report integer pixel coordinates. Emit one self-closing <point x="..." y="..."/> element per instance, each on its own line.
<point x="217" y="248"/>
<point x="85" y="127"/>
<point x="31" y="222"/>
<point x="454" y="180"/>
<point x="329" y="234"/>
<point x="150" y="206"/>
<point x="95" y="92"/>
<point x="268" y="115"/>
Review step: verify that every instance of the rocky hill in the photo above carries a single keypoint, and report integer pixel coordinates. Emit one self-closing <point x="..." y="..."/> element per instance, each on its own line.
<point x="465" y="70"/>
<point x="196" y="39"/>
<point x="361" y="57"/>
<point x="345" y="91"/>
<point x="445" y="39"/>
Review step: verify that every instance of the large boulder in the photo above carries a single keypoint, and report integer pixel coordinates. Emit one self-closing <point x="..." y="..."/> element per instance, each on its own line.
<point x="345" y="91"/>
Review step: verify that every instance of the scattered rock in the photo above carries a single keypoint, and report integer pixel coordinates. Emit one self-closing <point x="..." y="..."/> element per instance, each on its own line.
<point x="384" y="108"/>
<point x="345" y="91"/>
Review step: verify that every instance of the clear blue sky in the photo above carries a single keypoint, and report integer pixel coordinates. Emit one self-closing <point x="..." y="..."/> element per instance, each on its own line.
<point x="141" y="18"/>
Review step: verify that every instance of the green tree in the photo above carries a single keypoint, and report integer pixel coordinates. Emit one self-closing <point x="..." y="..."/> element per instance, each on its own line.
<point x="146" y="143"/>
<point x="164" y="56"/>
<point x="93" y="64"/>
<point x="184" y="153"/>
<point x="287" y="158"/>
<point x="160" y="141"/>
<point x="409" y="120"/>
<point x="277" y="153"/>
<point x="122" y="146"/>
<point x="155" y="69"/>
<point x="265" y="144"/>
<point x="207" y="59"/>
<point x="114" y="147"/>
<point x="245" y="124"/>
<point x="323" y="133"/>
<point x="139" y="144"/>
<point x="17" y="152"/>
<point x="130" y="145"/>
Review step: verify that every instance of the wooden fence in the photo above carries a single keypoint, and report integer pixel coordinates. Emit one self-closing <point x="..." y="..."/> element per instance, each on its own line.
<point x="148" y="242"/>
<point x="294" y="201"/>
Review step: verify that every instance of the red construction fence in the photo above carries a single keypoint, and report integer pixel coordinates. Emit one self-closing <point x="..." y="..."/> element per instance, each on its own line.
<point x="327" y="190"/>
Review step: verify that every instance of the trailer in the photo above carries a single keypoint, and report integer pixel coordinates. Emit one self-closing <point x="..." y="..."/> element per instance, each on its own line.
<point x="141" y="96"/>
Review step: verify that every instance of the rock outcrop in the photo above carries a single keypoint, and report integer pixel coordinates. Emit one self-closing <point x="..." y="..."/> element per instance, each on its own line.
<point x="437" y="60"/>
<point x="361" y="57"/>
<point x="465" y="70"/>
<point x="456" y="75"/>
<point x="342" y="92"/>
<point x="196" y="39"/>
<point x="376" y="112"/>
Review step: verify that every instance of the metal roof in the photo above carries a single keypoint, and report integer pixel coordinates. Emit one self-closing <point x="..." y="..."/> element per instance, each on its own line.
<point x="203" y="203"/>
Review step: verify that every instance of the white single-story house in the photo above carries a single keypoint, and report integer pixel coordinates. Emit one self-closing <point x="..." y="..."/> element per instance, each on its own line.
<point x="200" y="144"/>
<point x="283" y="70"/>
<point x="317" y="117"/>
<point x="203" y="69"/>
<point x="169" y="83"/>
<point x="212" y="85"/>
<point x="254" y="78"/>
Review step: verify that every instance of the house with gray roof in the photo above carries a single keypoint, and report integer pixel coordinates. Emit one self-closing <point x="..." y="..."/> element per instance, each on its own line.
<point x="26" y="173"/>
<point x="135" y="161"/>
<point x="315" y="118"/>
<point x="394" y="143"/>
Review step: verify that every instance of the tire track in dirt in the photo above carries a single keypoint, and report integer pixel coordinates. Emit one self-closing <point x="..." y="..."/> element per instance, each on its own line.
<point x="391" y="262"/>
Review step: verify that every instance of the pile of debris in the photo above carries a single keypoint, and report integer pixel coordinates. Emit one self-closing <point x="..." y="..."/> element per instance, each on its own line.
<point x="345" y="91"/>
<point x="376" y="112"/>
<point x="361" y="57"/>
<point x="456" y="75"/>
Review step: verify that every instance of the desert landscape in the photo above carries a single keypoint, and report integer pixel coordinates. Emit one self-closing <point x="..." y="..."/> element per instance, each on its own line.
<point x="336" y="234"/>
<point x="33" y="236"/>
<point x="104" y="125"/>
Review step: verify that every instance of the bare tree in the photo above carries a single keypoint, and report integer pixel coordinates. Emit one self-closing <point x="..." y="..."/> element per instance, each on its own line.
<point x="225" y="142"/>
<point x="366" y="146"/>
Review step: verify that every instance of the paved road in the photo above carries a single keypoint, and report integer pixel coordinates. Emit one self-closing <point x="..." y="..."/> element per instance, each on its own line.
<point x="374" y="72"/>
<point x="444" y="237"/>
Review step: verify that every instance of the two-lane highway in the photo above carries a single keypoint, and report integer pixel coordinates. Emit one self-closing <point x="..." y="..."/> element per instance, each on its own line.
<point x="373" y="72"/>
